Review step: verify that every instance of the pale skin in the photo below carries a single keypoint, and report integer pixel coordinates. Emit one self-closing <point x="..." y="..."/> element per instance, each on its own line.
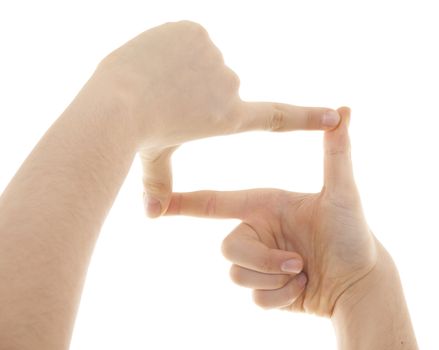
<point x="313" y="252"/>
<point x="167" y="86"/>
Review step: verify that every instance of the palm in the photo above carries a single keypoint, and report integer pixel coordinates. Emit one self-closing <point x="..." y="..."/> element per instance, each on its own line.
<point x="333" y="239"/>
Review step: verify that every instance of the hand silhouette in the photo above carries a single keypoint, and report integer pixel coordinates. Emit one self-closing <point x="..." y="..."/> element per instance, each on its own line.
<point x="324" y="234"/>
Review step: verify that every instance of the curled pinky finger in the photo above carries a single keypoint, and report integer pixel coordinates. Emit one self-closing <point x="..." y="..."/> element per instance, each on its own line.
<point x="282" y="297"/>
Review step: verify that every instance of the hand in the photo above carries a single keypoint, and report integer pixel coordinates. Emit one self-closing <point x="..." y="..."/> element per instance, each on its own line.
<point x="327" y="229"/>
<point x="175" y="87"/>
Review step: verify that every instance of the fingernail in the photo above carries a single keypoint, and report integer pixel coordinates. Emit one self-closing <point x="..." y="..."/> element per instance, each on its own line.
<point x="153" y="207"/>
<point x="292" y="265"/>
<point x="330" y="119"/>
<point x="301" y="280"/>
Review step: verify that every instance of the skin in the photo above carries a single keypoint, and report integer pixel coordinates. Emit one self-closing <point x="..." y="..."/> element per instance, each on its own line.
<point x="166" y="86"/>
<point x="313" y="252"/>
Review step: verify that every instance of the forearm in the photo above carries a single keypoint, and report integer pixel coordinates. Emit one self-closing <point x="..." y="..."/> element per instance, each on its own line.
<point x="373" y="314"/>
<point x="50" y="217"/>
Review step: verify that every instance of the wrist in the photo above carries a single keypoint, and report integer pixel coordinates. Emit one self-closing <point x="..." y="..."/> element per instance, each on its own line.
<point x="372" y="313"/>
<point x="102" y="107"/>
<point x="383" y="272"/>
<point x="122" y="96"/>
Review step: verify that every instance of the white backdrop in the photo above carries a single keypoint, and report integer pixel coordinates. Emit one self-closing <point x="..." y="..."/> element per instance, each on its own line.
<point x="163" y="284"/>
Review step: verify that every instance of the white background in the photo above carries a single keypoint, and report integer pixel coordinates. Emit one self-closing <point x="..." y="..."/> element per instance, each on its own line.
<point x="163" y="284"/>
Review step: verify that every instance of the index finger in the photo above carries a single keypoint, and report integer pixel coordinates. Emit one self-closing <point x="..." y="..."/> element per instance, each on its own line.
<point x="211" y="204"/>
<point x="272" y="116"/>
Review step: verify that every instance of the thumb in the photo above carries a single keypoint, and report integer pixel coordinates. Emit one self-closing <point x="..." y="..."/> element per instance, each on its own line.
<point x="157" y="180"/>
<point x="338" y="172"/>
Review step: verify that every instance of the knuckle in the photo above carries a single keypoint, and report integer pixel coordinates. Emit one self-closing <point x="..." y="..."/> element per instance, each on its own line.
<point x="211" y="205"/>
<point x="155" y="187"/>
<point x="200" y="30"/>
<point x="234" y="81"/>
<point x="226" y="248"/>
<point x="281" y="281"/>
<point x="214" y="55"/>
<point x="276" y="122"/>
<point x="260" y="299"/>
<point x="333" y="152"/>
<point x="277" y="198"/>
<point x="266" y="263"/>
<point x="187" y="23"/>
<point x="341" y="147"/>
<point x="193" y="31"/>
<point x="337" y="151"/>
<point x="195" y="27"/>
<point x="236" y="274"/>
<point x="312" y="119"/>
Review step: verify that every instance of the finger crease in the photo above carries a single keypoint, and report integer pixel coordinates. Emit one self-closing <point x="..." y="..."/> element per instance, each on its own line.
<point x="276" y="121"/>
<point x="211" y="206"/>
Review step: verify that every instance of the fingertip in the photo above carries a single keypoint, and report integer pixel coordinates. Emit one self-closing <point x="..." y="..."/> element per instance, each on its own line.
<point x="344" y="110"/>
<point x="301" y="280"/>
<point x="153" y="207"/>
<point x="345" y="114"/>
<point x="293" y="264"/>
<point x="336" y="136"/>
<point x="330" y="119"/>
<point x="338" y="163"/>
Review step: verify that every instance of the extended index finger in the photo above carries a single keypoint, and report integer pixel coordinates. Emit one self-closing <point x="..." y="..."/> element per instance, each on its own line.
<point x="283" y="117"/>
<point x="211" y="204"/>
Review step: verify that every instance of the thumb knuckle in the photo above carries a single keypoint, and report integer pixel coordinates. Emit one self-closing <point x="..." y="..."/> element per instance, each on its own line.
<point x="156" y="187"/>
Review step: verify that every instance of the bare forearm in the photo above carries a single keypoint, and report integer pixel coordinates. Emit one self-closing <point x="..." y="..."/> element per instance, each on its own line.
<point x="50" y="217"/>
<point x="374" y="314"/>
